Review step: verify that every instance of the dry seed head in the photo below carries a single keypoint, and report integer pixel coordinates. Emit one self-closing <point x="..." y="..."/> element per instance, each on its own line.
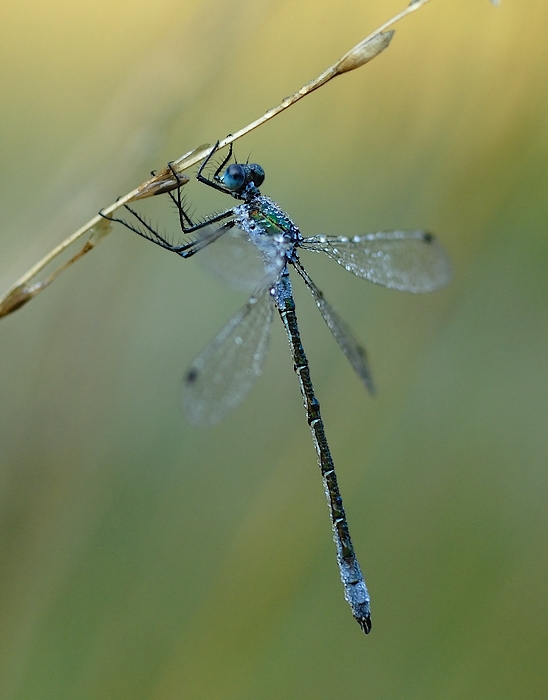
<point x="162" y="182"/>
<point x="364" y="52"/>
<point x="18" y="297"/>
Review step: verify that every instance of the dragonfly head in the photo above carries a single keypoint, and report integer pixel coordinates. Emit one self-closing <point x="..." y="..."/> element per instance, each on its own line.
<point x="238" y="176"/>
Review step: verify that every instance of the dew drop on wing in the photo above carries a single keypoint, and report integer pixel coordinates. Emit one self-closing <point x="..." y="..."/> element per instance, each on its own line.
<point x="412" y="261"/>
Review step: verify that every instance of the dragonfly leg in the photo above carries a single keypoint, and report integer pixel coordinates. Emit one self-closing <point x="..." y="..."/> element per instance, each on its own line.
<point x="186" y="249"/>
<point x="216" y="182"/>
<point x="185" y="221"/>
<point x="223" y="163"/>
<point x="149" y="233"/>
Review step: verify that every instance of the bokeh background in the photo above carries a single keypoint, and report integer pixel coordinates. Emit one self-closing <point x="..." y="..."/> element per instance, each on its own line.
<point x="142" y="558"/>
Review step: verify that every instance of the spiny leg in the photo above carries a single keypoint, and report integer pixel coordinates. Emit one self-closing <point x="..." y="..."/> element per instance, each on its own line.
<point x="185" y="250"/>
<point x="223" y="162"/>
<point x="216" y="182"/>
<point x="151" y="234"/>
<point x="184" y="218"/>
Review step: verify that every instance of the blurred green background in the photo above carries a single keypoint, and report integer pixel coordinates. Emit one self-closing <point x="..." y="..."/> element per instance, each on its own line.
<point x="143" y="558"/>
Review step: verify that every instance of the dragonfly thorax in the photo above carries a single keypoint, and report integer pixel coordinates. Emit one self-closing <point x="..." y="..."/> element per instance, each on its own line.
<point x="268" y="227"/>
<point x="271" y="232"/>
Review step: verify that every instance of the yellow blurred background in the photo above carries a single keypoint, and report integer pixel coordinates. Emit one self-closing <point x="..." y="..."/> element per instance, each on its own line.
<point x="144" y="559"/>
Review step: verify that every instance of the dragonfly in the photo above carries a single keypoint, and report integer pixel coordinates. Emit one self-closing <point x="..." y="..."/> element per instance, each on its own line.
<point x="253" y="245"/>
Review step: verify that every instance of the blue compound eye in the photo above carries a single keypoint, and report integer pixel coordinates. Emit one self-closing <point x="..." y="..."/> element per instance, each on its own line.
<point x="234" y="177"/>
<point x="257" y="174"/>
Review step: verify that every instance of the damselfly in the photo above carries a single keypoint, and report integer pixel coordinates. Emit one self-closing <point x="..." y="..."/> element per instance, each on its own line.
<point x="253" y="245"/>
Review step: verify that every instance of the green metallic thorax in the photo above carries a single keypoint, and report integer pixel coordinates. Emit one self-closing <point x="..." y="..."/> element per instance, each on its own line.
<point x="267" y="215"/>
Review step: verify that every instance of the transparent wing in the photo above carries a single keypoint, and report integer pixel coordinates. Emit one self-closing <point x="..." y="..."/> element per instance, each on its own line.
<point x="235" y="260"/>
<point x="411" y="261"/>
<point x="356" y="353"/>
<point x="223" y="373"/>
